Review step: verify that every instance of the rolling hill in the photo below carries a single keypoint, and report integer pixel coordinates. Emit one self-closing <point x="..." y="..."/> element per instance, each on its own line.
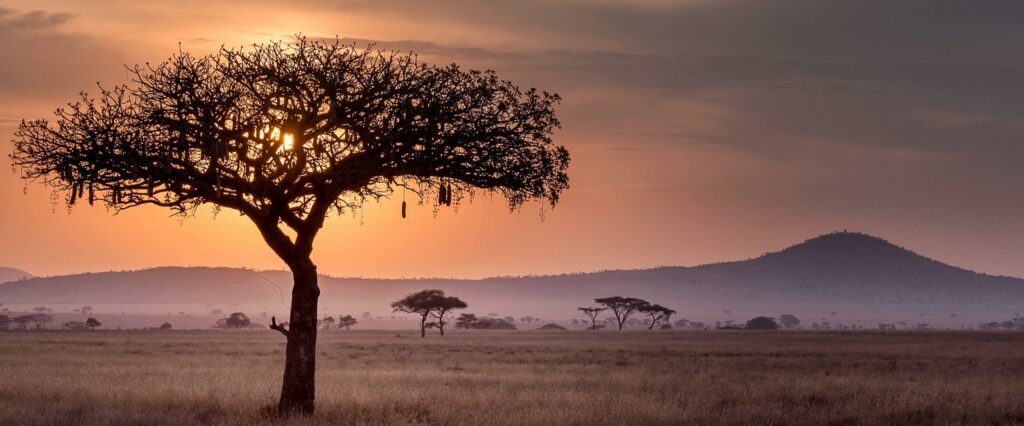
<point x="12" y="274"/>
<point x="839" y="276"/>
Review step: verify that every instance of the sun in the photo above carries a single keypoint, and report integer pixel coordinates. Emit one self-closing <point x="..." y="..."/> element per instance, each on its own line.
<point x="287" y="141"/>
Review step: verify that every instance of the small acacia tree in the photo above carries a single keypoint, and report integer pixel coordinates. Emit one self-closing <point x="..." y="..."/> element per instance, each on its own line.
<point x="92" y="323"/>
<point x="429" y="303"/>
<point x="789" y="321"/>
<point x="286" y="133"/>
<point x="236" y="320"/>
<point x="346" y="321"/>
<point x="622" y="307"/>
<point x="327" y="323"/>
<point x="657" y="313"/>
<point x="592" y="313"/>
<point x="466" y="321"/>
<point x="444" y="306"/>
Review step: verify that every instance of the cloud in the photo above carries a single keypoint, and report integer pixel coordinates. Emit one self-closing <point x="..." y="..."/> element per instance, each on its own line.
<point x="42" y="63"/>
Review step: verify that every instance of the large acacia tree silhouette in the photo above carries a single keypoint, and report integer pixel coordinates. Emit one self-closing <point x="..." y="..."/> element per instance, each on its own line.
<point x="286" y="133"/>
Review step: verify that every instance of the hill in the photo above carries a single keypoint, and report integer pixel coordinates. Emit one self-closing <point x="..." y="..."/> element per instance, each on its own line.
<point x="12" y="274"/>
<point x="835" y="277"/>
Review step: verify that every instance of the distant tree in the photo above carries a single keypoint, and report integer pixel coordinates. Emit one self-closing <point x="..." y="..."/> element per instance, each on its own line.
<point x="762" y="323"/>
<point x="166" y="326"/>
<point x="444" y="306"/>
<point x="236" y="320"/>
<point x="592" y="313"/>
<point x="487" y="323"/>
<point x="1017" y="322"/>
<point x="510" y="319"/>
<point x="527" y="319"/>
<point x="789" y="321"/>
<point x="327" y="323"/>
<point x="466" y="321"/>
<point x="551" y="326"/>
<point x="41" y="309"/>
<point x="657" y="313"/>
<point x="346" y="321"/>
<point x="41" y="319"/>
<point x="367" y="315"/>
<point x="75" y="325"/>
<point x="86" y="310"/>
<point x="428" y="303"/>
<point x="622" y="307"/>
<point x="217" y="312"/>
<point x="5" y="322"/>
<point x="21" y="322"/>
<point x="92" y="323"/>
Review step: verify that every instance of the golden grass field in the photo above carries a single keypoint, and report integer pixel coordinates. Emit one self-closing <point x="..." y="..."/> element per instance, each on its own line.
<point x="524" y="377"/>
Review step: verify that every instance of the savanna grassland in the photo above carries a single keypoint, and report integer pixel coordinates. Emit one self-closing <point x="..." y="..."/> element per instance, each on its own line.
<point x="525" y="377"/>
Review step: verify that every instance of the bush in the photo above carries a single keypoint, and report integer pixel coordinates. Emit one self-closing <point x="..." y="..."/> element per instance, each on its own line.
<point x="551" y="326"/>
<point x="762" y="323"/>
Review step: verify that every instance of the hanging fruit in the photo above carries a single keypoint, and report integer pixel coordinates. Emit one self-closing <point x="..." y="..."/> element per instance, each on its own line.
<point x="92" y="194"/>
<point x="441" y="195"/>
<point x="448" y="196"/>
<point x="403" y="209"/>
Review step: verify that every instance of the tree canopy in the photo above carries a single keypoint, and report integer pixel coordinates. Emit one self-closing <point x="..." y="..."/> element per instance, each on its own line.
<point x="657" y="314"/>
<point x="622" y="307"/>
<point x="426" y="303"/>
<point x="284" y="133"/>
<point x="346" y="321"/>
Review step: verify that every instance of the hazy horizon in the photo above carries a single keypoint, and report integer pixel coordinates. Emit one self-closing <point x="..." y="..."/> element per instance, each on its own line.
<point x="485" y="277"/>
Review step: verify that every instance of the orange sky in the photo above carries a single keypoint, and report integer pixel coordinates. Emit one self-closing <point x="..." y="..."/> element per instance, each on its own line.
<point x="699" y="132"/>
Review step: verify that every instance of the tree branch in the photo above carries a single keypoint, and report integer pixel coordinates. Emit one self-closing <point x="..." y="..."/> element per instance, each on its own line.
<point x="274" y="326"/>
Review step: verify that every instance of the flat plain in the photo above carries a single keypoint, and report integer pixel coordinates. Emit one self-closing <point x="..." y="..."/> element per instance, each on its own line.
<point x="518" y="377"/>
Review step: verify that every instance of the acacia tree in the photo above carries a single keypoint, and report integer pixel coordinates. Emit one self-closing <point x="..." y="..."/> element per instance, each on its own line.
<point x="429" y="303"/>
<point x="285" y="133"/>
<point x="622" y="307"/>
<point x="92" y="323"/>
<point x="657" y="313"/>
<point x="443" y="307"/>
<point x="327" y="323"/>
<point x="466" y="321"/>
<point x="789" y="321"/>
<point x="592" y="313"/>
<point x="346" y="321"/>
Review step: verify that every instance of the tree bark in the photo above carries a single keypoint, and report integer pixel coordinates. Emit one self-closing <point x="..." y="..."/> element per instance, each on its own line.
<point x="298" y="391"/>
<point x="423" y="327"/>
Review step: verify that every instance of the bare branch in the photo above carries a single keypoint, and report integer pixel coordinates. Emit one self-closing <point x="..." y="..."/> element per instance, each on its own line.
<point x="275" y="326"/>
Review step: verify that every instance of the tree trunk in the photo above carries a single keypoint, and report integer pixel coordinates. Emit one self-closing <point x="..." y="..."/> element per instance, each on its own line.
<point x="298" y="391"/>
<point x="423" y="327"/>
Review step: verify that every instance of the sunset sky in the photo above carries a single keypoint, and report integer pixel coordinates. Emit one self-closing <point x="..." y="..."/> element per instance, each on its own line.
<point x="700" y="131"/>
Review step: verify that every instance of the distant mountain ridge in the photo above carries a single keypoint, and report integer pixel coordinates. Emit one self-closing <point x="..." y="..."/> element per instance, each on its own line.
<point x="842" y="271"/>
<point x="12" y="274"/>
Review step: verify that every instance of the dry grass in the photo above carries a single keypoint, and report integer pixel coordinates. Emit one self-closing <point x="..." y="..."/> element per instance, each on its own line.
<point x="583" y="378"/>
